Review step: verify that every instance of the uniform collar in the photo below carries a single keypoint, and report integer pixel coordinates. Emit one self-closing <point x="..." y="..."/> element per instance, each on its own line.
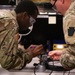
<point x="72" y="6"/>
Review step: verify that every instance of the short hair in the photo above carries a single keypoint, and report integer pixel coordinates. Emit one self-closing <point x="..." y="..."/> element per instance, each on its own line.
<point x="26" y="5"/>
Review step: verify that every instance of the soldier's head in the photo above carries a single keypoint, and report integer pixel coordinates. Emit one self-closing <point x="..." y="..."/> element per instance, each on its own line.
<point x="61" y="5"/>
<point x="26" y="12"/>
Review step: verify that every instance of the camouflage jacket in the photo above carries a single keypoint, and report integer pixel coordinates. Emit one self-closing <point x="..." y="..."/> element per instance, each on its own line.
<point x="68" y="56"/>
<point x="10" y="56"/>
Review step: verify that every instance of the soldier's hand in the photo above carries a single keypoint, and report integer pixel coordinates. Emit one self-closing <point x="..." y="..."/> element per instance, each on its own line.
<point x="36" y="49"/>
<point x="55" y="55"/>
<point x="31" y="47"/>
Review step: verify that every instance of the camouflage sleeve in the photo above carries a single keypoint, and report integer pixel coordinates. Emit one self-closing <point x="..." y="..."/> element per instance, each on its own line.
<point x="10" y="56"/>
<point x="68" y="57"/>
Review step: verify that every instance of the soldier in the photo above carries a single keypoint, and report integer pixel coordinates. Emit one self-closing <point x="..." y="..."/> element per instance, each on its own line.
<point x="66" y="56"/>
<point x="24" y="15"/>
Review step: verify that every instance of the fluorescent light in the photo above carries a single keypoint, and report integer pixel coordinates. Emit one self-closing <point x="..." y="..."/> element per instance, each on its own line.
<point x="52" y="20"/>
<point x="60" y="46"/>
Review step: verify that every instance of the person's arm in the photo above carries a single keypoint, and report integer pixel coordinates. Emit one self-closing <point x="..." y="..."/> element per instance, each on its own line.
<point x="10" y="56"/>
<point x="68" y="57"/>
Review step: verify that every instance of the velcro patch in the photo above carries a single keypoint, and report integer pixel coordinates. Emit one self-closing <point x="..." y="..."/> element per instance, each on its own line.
<point x="71" y="31"/>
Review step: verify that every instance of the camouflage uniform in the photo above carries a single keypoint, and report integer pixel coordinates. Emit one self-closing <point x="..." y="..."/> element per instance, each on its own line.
<point x="68" y="56"/>
<point x="10" y="56"/>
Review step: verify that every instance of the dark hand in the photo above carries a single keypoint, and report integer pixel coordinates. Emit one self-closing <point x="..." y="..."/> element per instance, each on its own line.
<point x="35" y="49"/>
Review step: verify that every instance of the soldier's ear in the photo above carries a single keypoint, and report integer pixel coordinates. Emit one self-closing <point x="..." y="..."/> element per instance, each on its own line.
<point x="24" y="15"/>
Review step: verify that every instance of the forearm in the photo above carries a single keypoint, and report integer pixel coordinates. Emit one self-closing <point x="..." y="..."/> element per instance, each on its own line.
<point x="68" y="58"/>
<point x="17" y="61"/>
<point x="10" y="56"/>
<point x="23" y="58"/>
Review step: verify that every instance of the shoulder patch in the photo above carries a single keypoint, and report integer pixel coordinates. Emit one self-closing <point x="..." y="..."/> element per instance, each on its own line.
<point x="71" y="31"/>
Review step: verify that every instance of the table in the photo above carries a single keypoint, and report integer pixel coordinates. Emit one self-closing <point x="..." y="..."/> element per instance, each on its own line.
<point x="29" y="70"/>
